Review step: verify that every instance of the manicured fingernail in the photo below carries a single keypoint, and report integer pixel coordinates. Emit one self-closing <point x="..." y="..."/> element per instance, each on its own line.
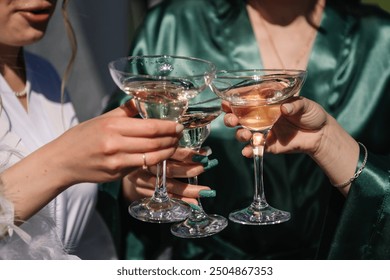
<point x="206" y="151"/>
<point x="207" y="193"/>
<point x="179" y="128"/>
<point x="200" y="158"/>
<point x="288" y="108"/>
<point x="195" y="207"/>
<point x="211" y="163"/>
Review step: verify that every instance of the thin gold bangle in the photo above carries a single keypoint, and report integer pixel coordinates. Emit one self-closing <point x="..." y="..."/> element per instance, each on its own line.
<point x="358" y="172"/>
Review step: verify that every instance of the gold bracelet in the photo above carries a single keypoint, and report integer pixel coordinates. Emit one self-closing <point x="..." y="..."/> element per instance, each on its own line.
<point x="358" y="172"/>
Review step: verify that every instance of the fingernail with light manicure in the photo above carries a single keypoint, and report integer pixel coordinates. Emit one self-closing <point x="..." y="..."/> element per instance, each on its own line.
<point x="288" y="108"/>
<point x="179" y="128"/>
<point x="206" y="150"/>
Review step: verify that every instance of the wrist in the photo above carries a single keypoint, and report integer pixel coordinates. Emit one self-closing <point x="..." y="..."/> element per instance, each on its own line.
<point x="359" y="169"/>
<point x="31" y="183"/>
<point x="337" y="154"/>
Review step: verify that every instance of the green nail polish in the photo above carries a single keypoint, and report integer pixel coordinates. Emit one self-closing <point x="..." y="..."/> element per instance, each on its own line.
<point x="212" y="163"/>
<point x="195" y="207"/>
<point x="201" y="159"/>
<point x="207" y="193"/>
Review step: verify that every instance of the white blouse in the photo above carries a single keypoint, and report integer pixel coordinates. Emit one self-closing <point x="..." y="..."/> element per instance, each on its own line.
<point x="24" y="132"/>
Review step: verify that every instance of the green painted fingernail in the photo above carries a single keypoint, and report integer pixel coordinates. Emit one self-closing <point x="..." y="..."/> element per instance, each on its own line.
<point x="207" y="193"/>
<point x="211" y="163"/>
<point x="195" y="207"/>
<point x="201" y="159"/>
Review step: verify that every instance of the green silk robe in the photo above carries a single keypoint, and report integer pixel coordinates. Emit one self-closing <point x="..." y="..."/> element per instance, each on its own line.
<point x="348" y="74"/>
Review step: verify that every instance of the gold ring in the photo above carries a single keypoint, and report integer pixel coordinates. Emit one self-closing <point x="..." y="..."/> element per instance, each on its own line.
<point x="145" y="166"/>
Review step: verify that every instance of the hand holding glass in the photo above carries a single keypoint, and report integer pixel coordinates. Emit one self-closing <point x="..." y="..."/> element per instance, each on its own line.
<point x="161" y="86"/>
<point x="255" y="97"/>
<point x="201" y="111"/>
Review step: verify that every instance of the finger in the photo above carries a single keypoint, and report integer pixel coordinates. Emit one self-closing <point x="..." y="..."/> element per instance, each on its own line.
<point x="179" y="169"/>
<point x="141" y="145"/>
<point x="127" y="126"/>
<point x="129" y="108"/>
<point x="226" y="106"/>
<point x="140" y="193"/>
<point x="182" y="189"/>
<point x="125" y="161"/>
<point x="144" y="182"/>
<point x="188" y="200"/>
<point x="146" y="127"/>
<point x="153" y="158"/>
<point x="230" y="120"/>
<point x="243" y="135"/>
<point x="308" y="115"/>
<point x="247" y="151"/>
<point x="190" y="156"/>
<point x="294" y="106"/>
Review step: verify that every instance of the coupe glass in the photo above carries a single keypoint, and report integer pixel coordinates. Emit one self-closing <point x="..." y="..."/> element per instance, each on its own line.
<point x="161" y="86"/>
<point x="201" y="111"/>
<point x="255" y="97"/>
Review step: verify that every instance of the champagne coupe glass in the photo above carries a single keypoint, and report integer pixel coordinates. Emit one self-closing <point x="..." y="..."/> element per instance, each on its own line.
<point x="161" y="86"/>
<point x="202" y="109"/>
<point x="255" y="97"/>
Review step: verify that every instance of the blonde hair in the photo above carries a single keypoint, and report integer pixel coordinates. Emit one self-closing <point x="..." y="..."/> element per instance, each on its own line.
<point x="73" y="43"/>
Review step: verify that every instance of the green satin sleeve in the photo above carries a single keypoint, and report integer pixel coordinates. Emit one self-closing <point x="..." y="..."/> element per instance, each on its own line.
<point x="364" y="226"/>
<point x="348" y="74"/>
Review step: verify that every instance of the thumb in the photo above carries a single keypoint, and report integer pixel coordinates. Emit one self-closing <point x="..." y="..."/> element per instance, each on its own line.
<point x="304" y="113"/>
<point x="294" y="106"/>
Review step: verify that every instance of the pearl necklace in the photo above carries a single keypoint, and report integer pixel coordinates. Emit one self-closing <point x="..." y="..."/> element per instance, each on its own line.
<point x="22" y="93"/>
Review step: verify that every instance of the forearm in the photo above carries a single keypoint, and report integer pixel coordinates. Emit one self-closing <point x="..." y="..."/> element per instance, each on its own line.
<point x="337" y="154"/>
<point x="32" y="183"/>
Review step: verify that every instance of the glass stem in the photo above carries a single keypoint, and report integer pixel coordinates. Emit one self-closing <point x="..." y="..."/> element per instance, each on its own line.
<point x="196" y="214"/>
<point x="194" y="181"/>
<point x="258" y="143"/>
<point x="160" y="192"/>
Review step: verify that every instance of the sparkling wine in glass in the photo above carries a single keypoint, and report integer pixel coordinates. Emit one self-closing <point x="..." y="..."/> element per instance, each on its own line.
<point x="255" y="97"/>
<point x="161" y="86"/>
<point x="201" y="111"/>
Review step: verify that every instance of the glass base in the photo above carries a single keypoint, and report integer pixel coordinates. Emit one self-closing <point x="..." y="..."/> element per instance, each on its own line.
<point x="171" y="211"/>
<point x="265" y="216"/>
<point x="197" y="229"/>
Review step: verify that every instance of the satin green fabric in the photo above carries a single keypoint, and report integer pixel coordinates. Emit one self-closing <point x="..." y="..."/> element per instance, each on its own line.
<point x="348" y="74"/>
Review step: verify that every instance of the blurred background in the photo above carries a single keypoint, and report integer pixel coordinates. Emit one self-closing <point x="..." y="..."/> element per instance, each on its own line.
<point x="385" y="4"/>
<point x="104" y="32"/>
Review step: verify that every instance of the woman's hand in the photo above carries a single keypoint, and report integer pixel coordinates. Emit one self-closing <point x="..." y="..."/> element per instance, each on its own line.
<point x="184" y="163"/>
<point x="109" y="146"/>
<point x="299" y="129"/>
<point x="305" y="127"/>
<point x="102" y="149"/>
